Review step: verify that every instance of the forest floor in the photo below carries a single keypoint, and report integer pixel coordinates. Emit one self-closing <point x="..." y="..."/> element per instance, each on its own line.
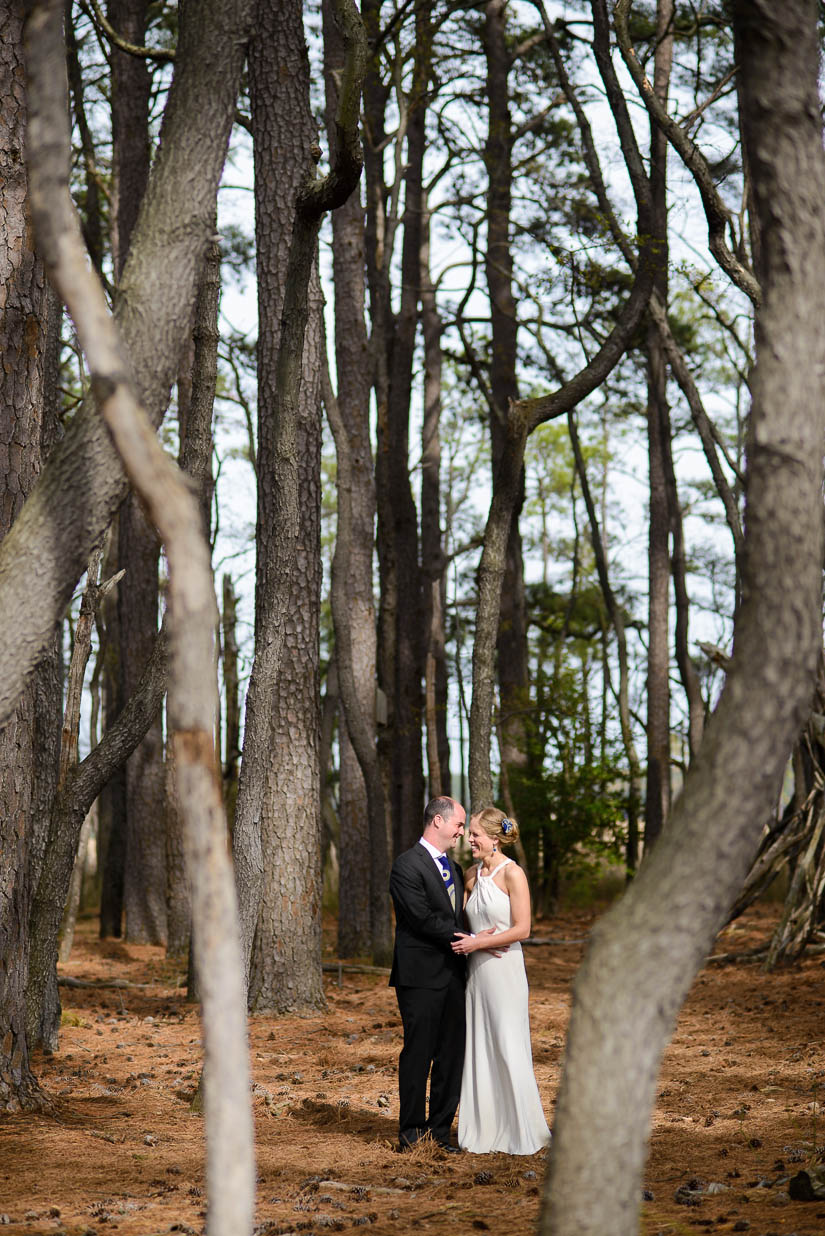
<point x="737" y="1106"/>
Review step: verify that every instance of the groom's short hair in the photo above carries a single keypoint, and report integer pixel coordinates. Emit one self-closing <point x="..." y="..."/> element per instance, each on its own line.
<point x="442" y="806"/>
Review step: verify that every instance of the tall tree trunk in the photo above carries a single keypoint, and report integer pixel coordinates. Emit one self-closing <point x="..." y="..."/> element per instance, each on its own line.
<point x="363" y="857"/>
<point x="433" y="560"/>
<point x="54" y="876"/>
<point x="657" y="796"/>
<point x="232" y="709"/>
<point x="196" y="401"/>
<point x="82" y="483"/>
<point x="134" y="630"/>
<point x="112" y="806"/>
<point x="645" y="953"/>
<point x="144" y="885"/>
<point x="278" y="811"/>
<point x="282" y="933"/>
<point x="511" y="641"/>
<point x="23" y="315"/>
<point x="400" y="618"/>
<point x="379" y="235"/>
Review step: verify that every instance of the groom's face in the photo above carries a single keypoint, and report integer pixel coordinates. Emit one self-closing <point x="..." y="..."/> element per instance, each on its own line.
<point x="450" y="828"/>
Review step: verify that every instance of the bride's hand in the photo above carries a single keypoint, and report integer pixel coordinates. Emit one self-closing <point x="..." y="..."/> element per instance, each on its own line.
<point x="464" y="944"/>
<point x="496" y="952"/>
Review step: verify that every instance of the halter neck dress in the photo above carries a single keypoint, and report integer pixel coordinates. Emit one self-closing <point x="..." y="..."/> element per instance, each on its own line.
<point x="500" y="1107"/>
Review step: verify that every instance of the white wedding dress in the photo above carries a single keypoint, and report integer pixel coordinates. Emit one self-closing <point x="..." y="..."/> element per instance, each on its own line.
<point x="500" y="1107"/>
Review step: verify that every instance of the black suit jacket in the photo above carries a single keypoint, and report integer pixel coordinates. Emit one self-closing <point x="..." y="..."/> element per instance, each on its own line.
<point x="425" y="921"/>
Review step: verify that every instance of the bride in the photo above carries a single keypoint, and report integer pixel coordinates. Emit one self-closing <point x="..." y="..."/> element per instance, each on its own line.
<point x="500" y="1107"/>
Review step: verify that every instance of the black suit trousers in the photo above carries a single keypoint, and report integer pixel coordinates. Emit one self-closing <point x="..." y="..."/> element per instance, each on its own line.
<point x="434" y="1027"/>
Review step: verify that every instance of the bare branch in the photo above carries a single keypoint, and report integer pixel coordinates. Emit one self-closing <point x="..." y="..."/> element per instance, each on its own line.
<point x="718" y="215"/>
<point x="160" y="54"/>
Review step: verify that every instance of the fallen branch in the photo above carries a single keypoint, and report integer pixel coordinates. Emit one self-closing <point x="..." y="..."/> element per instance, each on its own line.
<point x="66" y="980"/>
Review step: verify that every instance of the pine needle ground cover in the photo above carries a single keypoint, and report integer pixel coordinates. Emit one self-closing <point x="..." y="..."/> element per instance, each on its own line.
<point x="737" y="1113"/>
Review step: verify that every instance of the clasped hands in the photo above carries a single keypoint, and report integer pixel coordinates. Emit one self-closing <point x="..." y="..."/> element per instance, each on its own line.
<point x="465" y="943"/>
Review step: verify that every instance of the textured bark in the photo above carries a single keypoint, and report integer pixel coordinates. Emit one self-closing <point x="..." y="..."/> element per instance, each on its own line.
<point x="657" y="795"/>
<point x="132" y="635"/>
<point x="83" y="484"/>
<point x="433" y="559"/>
<point x="112" y="806"/>
<point x="232" y="710"/>
<point x="144" y="885"/>
<point x="380" y="230"/>
<point x="363" y="849"/>
<point x="131" y="87"/>
<point x="401" y="647"/>
<point x="54" y="876"/>
<point x="92" y="222"/>
<point x="23" y="314"/>
<point x="278" y="810"/>
<point x="511" y="640"/>
<point x="177" y="894"/>
<point x="283" y="133"/>
<point x="78" y="787"/>
<point x="196" y="400"/>
<point x="407" y="778"/>
<point x="644" y="954"/>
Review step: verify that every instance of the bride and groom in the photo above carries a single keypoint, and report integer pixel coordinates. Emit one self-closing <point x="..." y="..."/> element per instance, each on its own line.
<point x="463" y="995"/>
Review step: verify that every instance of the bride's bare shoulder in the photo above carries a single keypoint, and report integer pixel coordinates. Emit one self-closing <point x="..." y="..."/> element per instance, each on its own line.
<point x="514" y="876"/>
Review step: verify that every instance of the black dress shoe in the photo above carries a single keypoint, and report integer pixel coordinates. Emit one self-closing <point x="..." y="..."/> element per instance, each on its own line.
<point x="449" y="1148"/>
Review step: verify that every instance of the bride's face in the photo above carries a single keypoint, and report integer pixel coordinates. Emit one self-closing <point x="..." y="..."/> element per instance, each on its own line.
<point x="481" y="846"/>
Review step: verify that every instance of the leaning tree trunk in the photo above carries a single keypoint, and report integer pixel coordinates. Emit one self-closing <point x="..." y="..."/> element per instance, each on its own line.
<point x="83" y="484"/>
<point x="644" y="954"/>
<point x="192" y="621"/>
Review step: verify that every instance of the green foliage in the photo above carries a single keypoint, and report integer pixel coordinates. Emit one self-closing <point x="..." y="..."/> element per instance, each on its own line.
<point x="571" y="814"/>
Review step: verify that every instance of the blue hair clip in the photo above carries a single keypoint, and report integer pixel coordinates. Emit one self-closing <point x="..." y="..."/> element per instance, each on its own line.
<point x="506" y="826"/>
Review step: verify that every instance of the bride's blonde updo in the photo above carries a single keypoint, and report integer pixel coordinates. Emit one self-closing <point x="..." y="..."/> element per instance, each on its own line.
<point x="502" y="828"/>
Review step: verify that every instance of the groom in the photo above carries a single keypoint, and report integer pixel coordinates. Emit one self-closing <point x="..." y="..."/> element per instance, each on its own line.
<point x="427" y="891"/>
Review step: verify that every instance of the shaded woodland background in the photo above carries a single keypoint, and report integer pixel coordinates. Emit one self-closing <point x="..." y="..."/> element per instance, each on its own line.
<point x="473" y="475"/>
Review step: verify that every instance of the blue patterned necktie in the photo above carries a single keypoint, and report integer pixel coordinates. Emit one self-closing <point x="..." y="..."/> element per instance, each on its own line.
<point x="446" y="872"/>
